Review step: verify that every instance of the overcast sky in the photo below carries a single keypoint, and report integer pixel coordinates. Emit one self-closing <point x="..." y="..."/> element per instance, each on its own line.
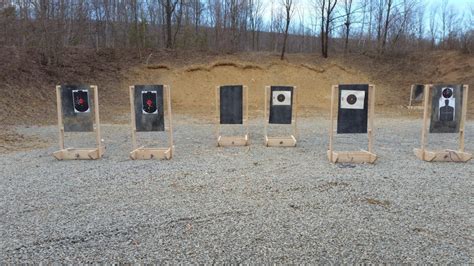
<point x="306" y="9"/>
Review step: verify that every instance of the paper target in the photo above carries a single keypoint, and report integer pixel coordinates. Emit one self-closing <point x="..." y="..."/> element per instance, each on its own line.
<point x="77" y="108"/>
<point x="231" y="104"/>
<point x="149" y="111"/>
<point x="81" y="101"/>
<point x="351" y="99"/>
<point x="446" y="108"/>
<point x="281" y="105"/>
<point x="353" y="109"/>
<point x="418" y="91"/>
<point x="281" y="97"/>
<point x="149" y="100"/>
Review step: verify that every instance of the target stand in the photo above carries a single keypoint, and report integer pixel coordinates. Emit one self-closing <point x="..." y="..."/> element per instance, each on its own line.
<point x="413" y="98"/>
<point x="362" y="156"/>
<point x="75" y="115"/>
<point x="152" y="121"/>
<point x="230" y="116"/>
<point x="447" y="155"/>
<point x="287" y="113"/>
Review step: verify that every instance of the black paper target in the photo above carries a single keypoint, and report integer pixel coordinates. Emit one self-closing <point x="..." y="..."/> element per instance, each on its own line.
<point x="417" y="95"/>
<point x="149" y="111"/>
<point x="80" y="101"/>
<point x="353" y="109"/>
<point x="77" y="108"/>
<point x="446" y="108"/>
<point x="149" y="99"/>
<point x="231" y="104"/>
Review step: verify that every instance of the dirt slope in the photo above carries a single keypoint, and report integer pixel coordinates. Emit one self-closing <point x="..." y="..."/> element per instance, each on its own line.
<point x="27" y="87"/>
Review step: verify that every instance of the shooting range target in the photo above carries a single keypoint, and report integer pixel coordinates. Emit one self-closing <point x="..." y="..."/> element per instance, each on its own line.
<point x="281" y="97"/>
<point x="149" y="111"/>
<point x="149" y="100"/>
<point x="231" y="104"/>
<point x="353" y="109"/>
<point x="418" y="93"/>
<point x="351" y="99"/>
<point x="281" y="105"/>
<point x="81" y="101"/>
<point x="77" y="108"/>
<point x="446" y="108"/>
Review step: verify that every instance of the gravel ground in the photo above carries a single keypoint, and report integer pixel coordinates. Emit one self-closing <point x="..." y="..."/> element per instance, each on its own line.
<point x="239" y="205"/>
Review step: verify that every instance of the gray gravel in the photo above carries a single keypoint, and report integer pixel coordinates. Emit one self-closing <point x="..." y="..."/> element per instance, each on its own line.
<point x="239" y="205"/>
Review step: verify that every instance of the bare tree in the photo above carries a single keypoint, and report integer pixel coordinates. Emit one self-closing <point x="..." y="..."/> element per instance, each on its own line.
<point x="388" y="9"/>
<point x="326" y="9"/>
<point x="347" y="22"/>
<point x="288" y="6"/>
<point x="433" y="25"/>
<point x="169" y="6"/>
<point x="256" y="21"/>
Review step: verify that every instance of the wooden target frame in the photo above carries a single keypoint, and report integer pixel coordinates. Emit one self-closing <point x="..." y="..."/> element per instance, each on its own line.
<point x="410" y="103"/>
<point x="79" y="153"/>
<point x="144" y="153"/>
<point x="233" y="140"/>
<point x="289" y="141"/>
<point x="446" y="155"/>
<point x="362" y="156"/>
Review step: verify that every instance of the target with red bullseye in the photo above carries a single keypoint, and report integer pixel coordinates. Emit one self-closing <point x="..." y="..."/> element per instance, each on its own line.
<point x="149" y="100"/>
<point x="81" y="101"/>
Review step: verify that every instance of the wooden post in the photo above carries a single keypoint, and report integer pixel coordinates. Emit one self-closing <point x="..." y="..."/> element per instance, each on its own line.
<point x="246" y="91"/>
<point x="218" y="123"/>
<point x="97" y="119"/>
<point x="295" y="111"/>
<point x="267" y="89"/>
<point x="331" y="117"/>
<point x="371" y="117"/>
<point x="60" y="117"/>
<point x="465" y="89"/>
<point x="132" y="112"/>
<point x="170" y="118"/>
<point x="411" y="94"/>
<point x="426" y="101"/>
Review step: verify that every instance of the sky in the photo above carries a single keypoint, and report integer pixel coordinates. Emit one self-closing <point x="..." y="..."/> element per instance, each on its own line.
<point x="306" y="9"/>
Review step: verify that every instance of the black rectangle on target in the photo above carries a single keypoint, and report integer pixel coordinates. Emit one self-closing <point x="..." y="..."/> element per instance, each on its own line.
<point x="446" y="108"/>
<point x="281" y="108"/>
<point x="418" y="90"/>
<point x="149" y="108"/>
<point x="231" y="104"/>
<point x="77" y="107"/>
<point x="352" y="113"/>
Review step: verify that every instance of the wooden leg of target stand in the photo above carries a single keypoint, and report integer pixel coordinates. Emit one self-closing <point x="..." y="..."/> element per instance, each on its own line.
<point x="420" y="153"/>
<point x="331" y="117"/>
<point x="170" y="122"/>
<point x="463" y="117"/>
<point x="60" y="117"/>
<point x="217" y="120"/>
<point x="267" y="88"/>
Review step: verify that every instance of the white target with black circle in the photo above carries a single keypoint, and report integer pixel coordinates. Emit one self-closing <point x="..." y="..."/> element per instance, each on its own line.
<point x="352" y="99"/>
<point x="281" y="98"/>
